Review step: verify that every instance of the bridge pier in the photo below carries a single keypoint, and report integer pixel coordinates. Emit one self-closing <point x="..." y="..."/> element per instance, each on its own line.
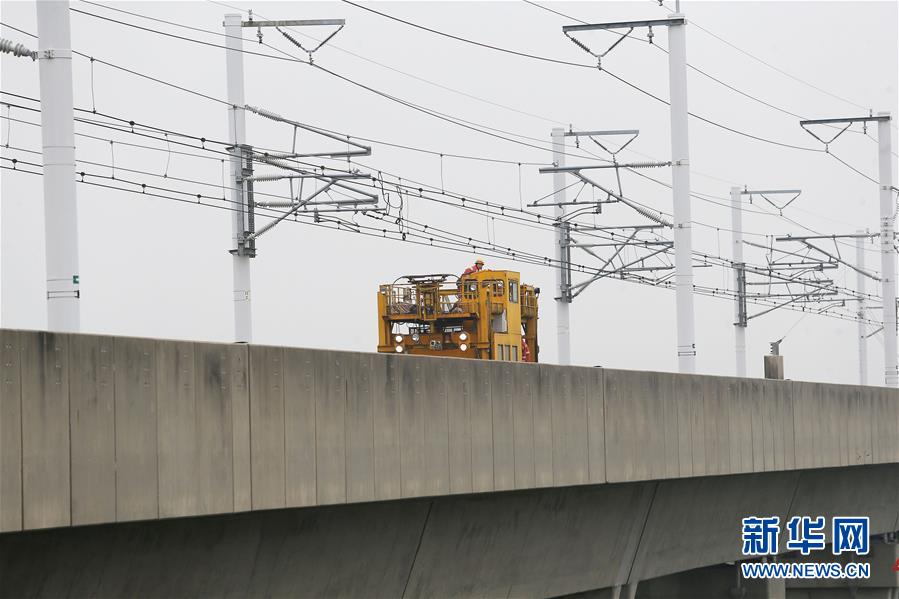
<point x="630" y="590"/>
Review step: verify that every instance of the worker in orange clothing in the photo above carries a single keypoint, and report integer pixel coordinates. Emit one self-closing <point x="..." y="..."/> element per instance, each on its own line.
<point x="525" y="351"/>
<point x="478" y="265"/>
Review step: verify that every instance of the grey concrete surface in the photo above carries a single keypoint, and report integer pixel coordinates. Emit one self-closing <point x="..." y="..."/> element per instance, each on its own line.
<point x="686" y="530"/>
<point x="267" y="425"/>
<point x="92" y="429"/>
<point x="531" y="543"/>
<point x="872" y="492"/>
<point x="580" y="541"/>
<point x="299" y="429"/>
<point x="176" y="401"/>
<point x="10" y="432"/>
<point x="136" y="473"/>
<point x="386" y="431"/>
<point x="113" y="429"/>
<point x="46" y="466"/>
<point x="356" y="551"/>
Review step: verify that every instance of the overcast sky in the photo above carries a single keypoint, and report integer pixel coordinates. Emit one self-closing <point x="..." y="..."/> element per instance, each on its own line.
<point x="154" y="267"/>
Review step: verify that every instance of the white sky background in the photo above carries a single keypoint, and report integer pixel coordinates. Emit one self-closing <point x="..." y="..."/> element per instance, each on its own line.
<point x="151" y="267"/>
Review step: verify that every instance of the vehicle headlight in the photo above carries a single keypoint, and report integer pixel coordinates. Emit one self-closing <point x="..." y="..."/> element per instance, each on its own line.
<point x="463" y="337"/>
<point x="398" y="338"/>
<point x="463" y="347"/>
<point x="399" y="349"/>
<point x="416" y="337"/>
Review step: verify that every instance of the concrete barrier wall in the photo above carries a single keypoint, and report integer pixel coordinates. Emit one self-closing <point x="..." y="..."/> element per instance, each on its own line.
<point x="109" y="429"/>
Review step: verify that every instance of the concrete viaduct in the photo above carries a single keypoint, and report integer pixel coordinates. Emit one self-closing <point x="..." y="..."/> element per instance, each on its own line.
<point x="148" y="468"/>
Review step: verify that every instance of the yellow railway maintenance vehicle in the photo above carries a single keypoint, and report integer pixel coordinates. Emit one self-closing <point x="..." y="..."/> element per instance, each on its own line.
<point x="487" y="315"/>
